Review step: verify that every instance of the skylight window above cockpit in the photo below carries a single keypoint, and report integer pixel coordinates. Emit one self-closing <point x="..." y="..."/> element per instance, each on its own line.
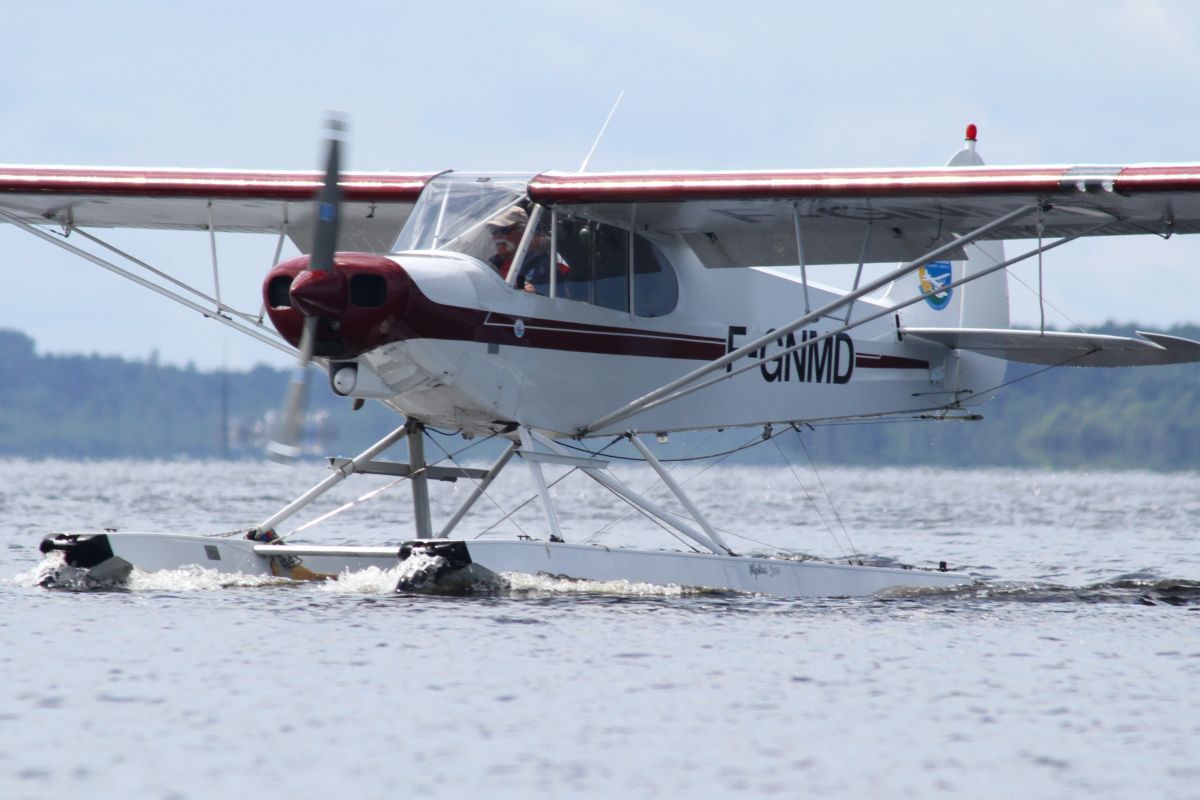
<point x="453" y="211"/>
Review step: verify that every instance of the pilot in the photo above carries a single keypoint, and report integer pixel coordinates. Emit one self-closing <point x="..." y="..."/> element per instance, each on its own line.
<point x="506" y="229"/>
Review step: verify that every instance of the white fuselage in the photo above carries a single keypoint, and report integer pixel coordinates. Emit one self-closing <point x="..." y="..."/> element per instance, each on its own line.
<point x="557" y="364"/>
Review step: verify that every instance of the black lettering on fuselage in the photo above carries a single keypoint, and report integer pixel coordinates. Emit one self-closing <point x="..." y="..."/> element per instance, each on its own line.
<point x="820" y="361"/>
<point x="798" y="356"/>
<point x="734" y="330"/>
<point x="830" y="360"/>
<point x="843" y="368"/>
<point x="772" y="369"/>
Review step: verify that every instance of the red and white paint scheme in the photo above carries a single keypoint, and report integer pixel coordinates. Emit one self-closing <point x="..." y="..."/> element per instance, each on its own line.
<point x="562" y="306"/>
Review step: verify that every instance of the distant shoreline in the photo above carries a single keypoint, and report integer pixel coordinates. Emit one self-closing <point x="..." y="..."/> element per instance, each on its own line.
<point x="105" y="408"/>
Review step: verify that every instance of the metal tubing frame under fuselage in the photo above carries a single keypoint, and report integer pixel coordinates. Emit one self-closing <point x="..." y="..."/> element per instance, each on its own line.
<point x="339" y="474"/>
<point x="478" y="491"/>
<point x="621" y="490"/>
<point x="692" y="508"/>
<point x="415" y="434"/>
<point x="539" y="480"/>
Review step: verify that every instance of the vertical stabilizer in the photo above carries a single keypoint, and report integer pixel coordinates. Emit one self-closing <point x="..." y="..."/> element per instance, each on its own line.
<point x="981" y="304"/>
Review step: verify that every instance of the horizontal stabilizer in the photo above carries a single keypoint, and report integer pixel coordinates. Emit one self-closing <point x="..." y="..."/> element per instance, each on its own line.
<point x="1068" y="349"/>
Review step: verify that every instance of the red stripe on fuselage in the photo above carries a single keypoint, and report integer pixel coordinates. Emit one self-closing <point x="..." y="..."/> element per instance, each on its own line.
<point x="871" y="361"/>
<point x="600" y="339"/>
<point x="427" y="319"/>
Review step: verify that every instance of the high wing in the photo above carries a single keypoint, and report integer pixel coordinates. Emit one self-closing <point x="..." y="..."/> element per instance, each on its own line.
<point x="377" y="204"/>
<point x="376" y="208"/>
<point x="729" y="218"/>
<point x="734" y="219"/>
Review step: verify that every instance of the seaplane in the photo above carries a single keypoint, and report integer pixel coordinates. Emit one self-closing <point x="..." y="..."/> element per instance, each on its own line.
<point x="562" y="310"/>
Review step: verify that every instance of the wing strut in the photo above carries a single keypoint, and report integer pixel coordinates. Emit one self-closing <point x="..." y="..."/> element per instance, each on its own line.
<point x="800" y="255"/>
<point x="862" y="259"/>
<point x="253" y="330"/>
<point x="163" y="275"/>
<point x="212" y="241"/>
<point x="665" y="393"/>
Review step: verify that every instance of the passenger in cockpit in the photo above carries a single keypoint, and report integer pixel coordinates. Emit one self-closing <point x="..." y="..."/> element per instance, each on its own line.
<point x="535" y="269"/>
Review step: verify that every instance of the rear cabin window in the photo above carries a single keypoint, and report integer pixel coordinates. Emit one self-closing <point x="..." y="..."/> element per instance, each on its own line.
<point x="595" y="268"/>
<point x="655" y="289"/>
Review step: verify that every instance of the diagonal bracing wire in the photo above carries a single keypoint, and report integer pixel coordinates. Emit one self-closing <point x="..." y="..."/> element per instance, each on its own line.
<point x="828" y="497"/>
<point x="532" y="498"/>
<point x="491" y="499"/>
<point x="812" y="501"/>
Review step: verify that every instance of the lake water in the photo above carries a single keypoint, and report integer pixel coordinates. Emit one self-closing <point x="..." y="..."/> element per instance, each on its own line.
<point x="1070" y="669"/>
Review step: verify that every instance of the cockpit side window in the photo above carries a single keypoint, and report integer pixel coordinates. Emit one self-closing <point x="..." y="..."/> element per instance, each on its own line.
<point x="610" y="270"/>
<point x="596" y="268"/>
<point x="538" y="270"/>
<point x="574" y="243"/>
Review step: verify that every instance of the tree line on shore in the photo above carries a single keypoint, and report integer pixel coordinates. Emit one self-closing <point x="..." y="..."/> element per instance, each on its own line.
<point x="91" y="406"/>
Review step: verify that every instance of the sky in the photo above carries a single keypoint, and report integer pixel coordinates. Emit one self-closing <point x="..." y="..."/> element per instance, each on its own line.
<point x="526" y="86"/>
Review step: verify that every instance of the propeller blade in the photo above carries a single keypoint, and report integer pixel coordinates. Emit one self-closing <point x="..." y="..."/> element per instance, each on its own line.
<point x="285" y="447"/>
<point x="329" y="204"/>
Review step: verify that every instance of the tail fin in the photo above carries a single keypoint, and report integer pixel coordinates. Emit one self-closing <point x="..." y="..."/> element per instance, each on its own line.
<point x="979" y="304"/>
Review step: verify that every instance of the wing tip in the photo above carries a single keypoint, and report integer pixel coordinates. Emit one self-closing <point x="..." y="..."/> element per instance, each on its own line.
<point x="1179" y="349"/>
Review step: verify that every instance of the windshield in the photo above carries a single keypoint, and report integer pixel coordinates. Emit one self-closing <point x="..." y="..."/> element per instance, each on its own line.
<point x="453" y="211"/>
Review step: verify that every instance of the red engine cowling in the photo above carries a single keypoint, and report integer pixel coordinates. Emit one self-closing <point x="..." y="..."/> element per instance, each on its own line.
<point x="360" y="305"/>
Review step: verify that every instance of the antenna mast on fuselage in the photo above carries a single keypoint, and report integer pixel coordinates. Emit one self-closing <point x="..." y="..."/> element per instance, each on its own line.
<point x="587" y="159"/>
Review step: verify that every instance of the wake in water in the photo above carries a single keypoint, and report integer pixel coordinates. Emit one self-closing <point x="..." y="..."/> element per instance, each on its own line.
<point x="549" y="585"/>
<point x="418" y="574"/>
<point x="423" y="573"/>
<point x="53" y="573"/>
<point x="1133" y="589"/>
<point x="511" y="584"/>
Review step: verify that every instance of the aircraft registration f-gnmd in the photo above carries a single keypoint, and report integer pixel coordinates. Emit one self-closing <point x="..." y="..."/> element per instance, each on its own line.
<point x="567" y="306"/>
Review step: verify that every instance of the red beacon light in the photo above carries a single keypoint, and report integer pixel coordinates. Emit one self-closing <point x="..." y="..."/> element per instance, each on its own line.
<point x="972" y="132"/>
